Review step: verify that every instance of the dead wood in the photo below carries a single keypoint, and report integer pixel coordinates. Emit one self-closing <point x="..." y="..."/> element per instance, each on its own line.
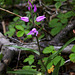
<point x="62" y="34"/>
<point x="9" y="52"/>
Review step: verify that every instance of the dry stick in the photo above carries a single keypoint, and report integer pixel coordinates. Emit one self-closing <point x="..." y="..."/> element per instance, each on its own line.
<point x="4" y="28"/>
<point x="10" y="12"/>
<point x="67" y="61"/>
<point x="40" y="2"/>
<point x="9" y="56"/>
<point x="18" y="58"/>
<point x="20" y="16"/>
<point x="46" y="6"/>
<point x="43" y="29"/>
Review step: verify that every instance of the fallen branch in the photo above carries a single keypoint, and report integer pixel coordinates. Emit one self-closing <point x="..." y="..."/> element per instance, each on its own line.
<point x="62" y="34"/>
<point x="9" y="52"/>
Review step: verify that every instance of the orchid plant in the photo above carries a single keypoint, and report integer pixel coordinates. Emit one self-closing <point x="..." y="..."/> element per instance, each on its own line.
<point x="50" y="64"/>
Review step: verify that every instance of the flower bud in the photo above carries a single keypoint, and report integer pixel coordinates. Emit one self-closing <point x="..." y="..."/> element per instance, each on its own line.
<point x="26" y="19"/>
<point x="40" y="18"/>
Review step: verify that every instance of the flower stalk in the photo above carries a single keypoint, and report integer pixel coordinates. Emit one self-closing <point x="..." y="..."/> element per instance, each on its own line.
<point x="32" y="18"/>
<point x="40" y="55"/>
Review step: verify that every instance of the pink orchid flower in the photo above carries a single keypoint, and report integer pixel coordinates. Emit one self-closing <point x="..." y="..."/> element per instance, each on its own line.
<point x="30" y="5"/>
<point x="26" y="19"/>
<point x="35" y="8"/>
<point x="33" y="32"/>
<point x="40" y="18"/>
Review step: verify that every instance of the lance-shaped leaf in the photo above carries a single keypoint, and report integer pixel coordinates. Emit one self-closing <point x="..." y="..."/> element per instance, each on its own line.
<point x="56" y="70"/>
<point x="24" y="72"/>
<point x="26" y="49"/>
<point x="60" y="50"/>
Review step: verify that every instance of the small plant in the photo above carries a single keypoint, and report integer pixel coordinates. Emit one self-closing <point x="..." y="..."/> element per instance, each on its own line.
<point x="59" y="3"/>
<point x="57" y="24"/>
<point x="72" y="56"/>
<point x="53" y="61"/>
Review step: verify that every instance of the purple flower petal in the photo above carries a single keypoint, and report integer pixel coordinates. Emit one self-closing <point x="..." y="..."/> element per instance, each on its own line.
<point x="33" y="31"/>
<point x="29" y="8"/>
<point x="40" y="18"/>
<point x="30" y="4"/>
<point x="26" y="19"/>
<point x="30" y="0"/>
<point x="35" y="8"/>
<point x="36" y="33"/>
<point x="30" y="33"/>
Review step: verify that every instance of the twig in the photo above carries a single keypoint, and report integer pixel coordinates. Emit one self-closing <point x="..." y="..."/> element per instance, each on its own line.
<point x="9" y="52"/>
<point x="40" y="2"/>
<point x="18" y="58"/>
<point x="20" y="16"/>
<point x="46" y="7"/>
<point x="10" y="12"/>
<point x="67" y="61"/>
<point x="43" y="29"/>
<point x="4" y="28"/>
<point x="15" y="40"/>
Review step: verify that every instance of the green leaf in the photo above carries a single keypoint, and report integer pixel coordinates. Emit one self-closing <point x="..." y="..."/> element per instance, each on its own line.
<point x="41" y="36"/>
<point x="57" y="59"/>
<point x="29" y="67"/>
<point x="19" y="27"/>
<point x="24" y="72"/>
<point x="10" y="32"/>
<point x="49" y="65"/>
<point x="26" y="32"/>
<point x="26" y="49"/>
<point x="48" y="49"/>
<point x="57" y="5"/>
<point x="29" y="36"/>
<point x="53" y="23"/>
<point x="61" y="16"/>
<point x="30" y="59"/>
<point x="51" y="57"/>
<point x="42" y="66"/>
<point x="64" y="20"/>
<point x="56" y="30"/>
<point x="20" y="33"/>
<point x="15" y="19"/>
<point x="45" y="59"/>
<point x="37" y="23"/>
<point x="72" y="57"/>
<point x="73" y="49"/>
<point x="56" y="70"/>
<point x="40" y="74"/>
<point x="1" y="56"/>
<point x="31" y="56"/>
<point x="68" y="14"/>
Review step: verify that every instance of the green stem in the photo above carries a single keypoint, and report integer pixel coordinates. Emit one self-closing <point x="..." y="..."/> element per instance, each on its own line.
<point x="40" y="55"/>
<point x="32" y="17"/>
<point x="38" y="43"/>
